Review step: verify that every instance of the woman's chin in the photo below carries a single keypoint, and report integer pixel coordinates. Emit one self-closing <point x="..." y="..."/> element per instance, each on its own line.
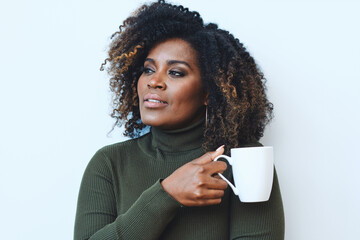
<point x="152" y="122"/>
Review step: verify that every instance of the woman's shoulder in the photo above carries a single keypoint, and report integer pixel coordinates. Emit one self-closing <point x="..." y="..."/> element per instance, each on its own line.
<point x="115" y="155"/>
<point x="123" y="147"/>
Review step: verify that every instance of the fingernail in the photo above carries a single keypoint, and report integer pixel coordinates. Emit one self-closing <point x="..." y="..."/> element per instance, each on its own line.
<point x="219" y="148"/>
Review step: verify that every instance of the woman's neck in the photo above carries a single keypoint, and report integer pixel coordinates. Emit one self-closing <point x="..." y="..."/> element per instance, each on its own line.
<point x="178" y="140"/>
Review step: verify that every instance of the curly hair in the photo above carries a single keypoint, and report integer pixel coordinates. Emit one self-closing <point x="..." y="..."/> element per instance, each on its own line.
<point x="238" y="109"/>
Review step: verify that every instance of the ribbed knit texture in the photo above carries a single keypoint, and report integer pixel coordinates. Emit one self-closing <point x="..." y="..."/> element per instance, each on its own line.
<point x="121" y="196"/>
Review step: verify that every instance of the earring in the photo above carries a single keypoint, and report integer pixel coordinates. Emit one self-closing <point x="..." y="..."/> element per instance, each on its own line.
<point x="206" y="116"/>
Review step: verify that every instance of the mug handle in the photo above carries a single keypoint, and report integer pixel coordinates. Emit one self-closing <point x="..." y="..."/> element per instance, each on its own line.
<point x="235" y="190"/>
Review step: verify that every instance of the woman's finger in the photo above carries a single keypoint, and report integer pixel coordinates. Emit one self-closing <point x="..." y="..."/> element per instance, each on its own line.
<point x="217" y="184"/>
<point x="215" y="167"/>
<point x="213" y="194"/>
<point x="209" y="156"/>
<point x="216" y="176"/>
<point x="205" y="202"/>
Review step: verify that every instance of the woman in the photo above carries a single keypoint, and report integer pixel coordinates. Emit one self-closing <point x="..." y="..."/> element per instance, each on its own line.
<point x="198" y="89"/>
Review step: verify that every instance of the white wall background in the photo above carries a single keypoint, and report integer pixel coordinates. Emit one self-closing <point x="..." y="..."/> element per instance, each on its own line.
<point x="54" y="106"/>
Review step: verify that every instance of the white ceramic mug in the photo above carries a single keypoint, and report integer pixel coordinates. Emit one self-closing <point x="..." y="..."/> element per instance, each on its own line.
<point x="253" y="170"/>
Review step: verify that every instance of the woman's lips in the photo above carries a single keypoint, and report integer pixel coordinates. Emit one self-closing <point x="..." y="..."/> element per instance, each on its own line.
<point x="154" y="101"/>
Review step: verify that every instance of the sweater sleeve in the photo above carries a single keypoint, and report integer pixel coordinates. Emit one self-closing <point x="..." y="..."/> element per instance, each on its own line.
<point x="96" y="215"/>
<point x="258" y="221"/>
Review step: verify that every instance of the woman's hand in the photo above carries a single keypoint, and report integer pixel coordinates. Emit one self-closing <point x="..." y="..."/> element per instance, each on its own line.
<point x="193" y="184"/>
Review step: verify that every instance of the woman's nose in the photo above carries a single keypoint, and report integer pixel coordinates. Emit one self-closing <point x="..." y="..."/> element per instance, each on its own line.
<point x="157" y="81"/>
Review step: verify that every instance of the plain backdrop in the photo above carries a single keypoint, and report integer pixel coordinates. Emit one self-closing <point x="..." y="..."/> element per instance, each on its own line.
<point x="55" y="105"/>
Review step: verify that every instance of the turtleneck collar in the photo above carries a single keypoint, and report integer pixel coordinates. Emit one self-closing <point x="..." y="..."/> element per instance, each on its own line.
<point x="178" y="140"/>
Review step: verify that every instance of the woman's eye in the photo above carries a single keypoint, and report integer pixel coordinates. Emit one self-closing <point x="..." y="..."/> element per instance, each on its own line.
<point x="176" y="73"/>
<point x="147" y="70"/>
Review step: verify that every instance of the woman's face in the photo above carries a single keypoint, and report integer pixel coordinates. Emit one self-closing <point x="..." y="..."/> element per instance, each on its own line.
<point x="170" y="89"/>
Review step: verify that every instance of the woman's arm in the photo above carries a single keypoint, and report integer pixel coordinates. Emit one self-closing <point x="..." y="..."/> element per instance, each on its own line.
<point x="97" y="217"/>
<point x="258" y="221"/>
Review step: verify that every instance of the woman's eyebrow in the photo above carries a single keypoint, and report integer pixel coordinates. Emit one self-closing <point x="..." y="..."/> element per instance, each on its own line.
<point x="169" y="62"/>
<point x="149" y="60"/>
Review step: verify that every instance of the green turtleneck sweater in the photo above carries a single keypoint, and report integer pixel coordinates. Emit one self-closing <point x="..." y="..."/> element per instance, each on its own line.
<point x="121" y="196"/>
